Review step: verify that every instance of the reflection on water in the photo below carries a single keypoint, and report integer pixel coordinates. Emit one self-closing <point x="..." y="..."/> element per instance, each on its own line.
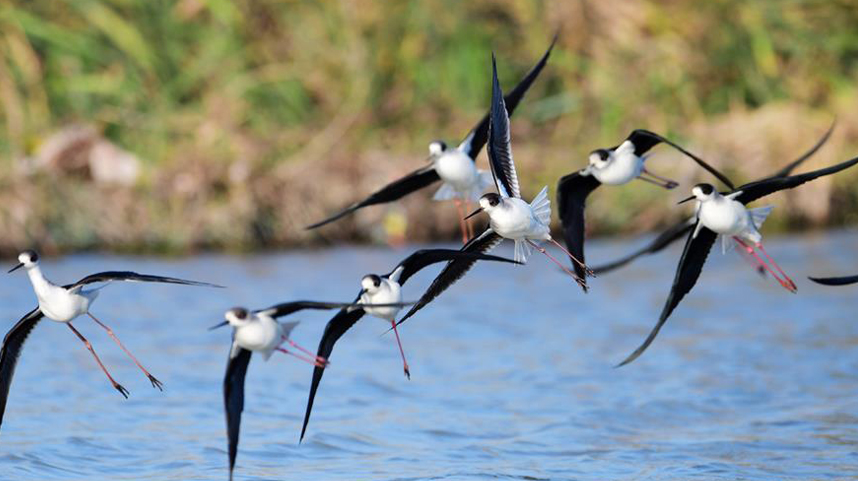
<point x="512" y="374"/>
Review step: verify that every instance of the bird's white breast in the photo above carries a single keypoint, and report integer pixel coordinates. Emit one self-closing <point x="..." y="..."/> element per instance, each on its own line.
<point x="60" y="305"/>
<point x="261" y="335"/>
<point x="725" y="216"/>
<point x="388" y="292"/>
<point x="624" y="167"/>
<point x="457" y="169"/>
<point x="514" y="219"/>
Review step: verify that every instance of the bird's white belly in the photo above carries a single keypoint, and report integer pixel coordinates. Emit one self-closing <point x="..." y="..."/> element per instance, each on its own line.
<point x="515" y="220"/>
<point x="392" y="294"/>
<point x="61" y="306"/>
<point x="258" y="336"/>
<point x="727" y="217"/>
<point x="622" y="170"/>
<point x="458" y="170"/>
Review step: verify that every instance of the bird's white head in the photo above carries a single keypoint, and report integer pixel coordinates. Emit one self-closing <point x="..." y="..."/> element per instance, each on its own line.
<point x="370" y="283"/>
<point x="488" y="203"/>
<point x="703" y="192"/>
<point x="237" y="317"/>
<point x="600" y="158"/>
<point x="437" y="147"/>
<point x="28" y="259"/>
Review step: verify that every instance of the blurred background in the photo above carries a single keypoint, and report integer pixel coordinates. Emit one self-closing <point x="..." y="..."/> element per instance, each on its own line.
<point x="175" y="126"/>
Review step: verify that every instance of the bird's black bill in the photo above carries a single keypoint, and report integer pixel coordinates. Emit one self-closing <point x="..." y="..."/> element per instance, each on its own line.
<point x="218" y="325"/>
<point x="16" y="267"/>
<point x="474" y="213"/>
<point x="685" y="200"/>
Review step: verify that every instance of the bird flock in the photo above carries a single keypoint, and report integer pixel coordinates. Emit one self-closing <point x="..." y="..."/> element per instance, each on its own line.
<point x="720" y="212"/>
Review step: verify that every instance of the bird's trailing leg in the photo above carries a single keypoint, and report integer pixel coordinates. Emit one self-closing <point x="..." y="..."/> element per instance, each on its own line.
<point x="587" y="270"/>
<point x="308" y="360"/>
<point x="756" y="264"/>
<point x="401" y="351"/>
<point x="565" y="269"/>
<point x="658" y="180"/>
<point x="462" y="221"/>
<point x="790" y="284"/>
<point x="786" y="282"/>
<point x="116" y="385"/>
<point x="155" y="383"/>
<point x="306" y="351"/>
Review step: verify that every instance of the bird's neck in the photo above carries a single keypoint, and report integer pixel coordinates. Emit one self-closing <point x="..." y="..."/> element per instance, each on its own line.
<point x="40" y="284"/>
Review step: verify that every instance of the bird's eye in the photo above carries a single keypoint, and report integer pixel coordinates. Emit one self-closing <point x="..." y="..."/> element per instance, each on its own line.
<point x="377" y="282"/>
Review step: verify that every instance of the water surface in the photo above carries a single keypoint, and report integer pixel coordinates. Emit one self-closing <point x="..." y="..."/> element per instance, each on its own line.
<point x="511" y="374"/>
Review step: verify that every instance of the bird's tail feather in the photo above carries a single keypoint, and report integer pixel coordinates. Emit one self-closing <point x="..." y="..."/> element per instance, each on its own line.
<point x="758" y="215"/>
<point x="541" y="206"/>
<point x="522" y="250"/>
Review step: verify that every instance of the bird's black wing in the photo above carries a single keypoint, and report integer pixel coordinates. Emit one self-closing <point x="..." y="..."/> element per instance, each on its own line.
<point x="572" y="192"/>
<point x="663" y="240"/>
<point x="500" y="150"/>
<point x="787" y="170"/>
<point x="286" y="308"/>
<point x="835" y="281"/>
<point x="233" y="399"/>
<point x="761" y="188"/>
<point x="455" y="269"/>
<point x="687" y="273"/>
<point x="337" y="326"/>
<point x="410" y="183"/>
<point x="476" y="139"/>
<point x="425" y="257"/>
<point x="13" y="343"/>
<point x="643" y="140"/>
<point x="129" y="276"/>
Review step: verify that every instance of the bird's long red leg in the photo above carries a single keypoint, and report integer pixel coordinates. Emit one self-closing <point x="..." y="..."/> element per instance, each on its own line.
<point x="587" y="270"/>
<point x="665" y="185"/>
<point x="462" y="221"/>
<point x="668" y="183"/>
<point x="305" y="351"/>
<point x="401" y="352"/>
<point x="116" y="385"/>
<point x="788" y="285"/>
<point x="155" y="383"/>
<point x="305" y="359"/>
<point x="758" y="266"/>
<point x="560" y="265"/>
<point x="791" y="285"/>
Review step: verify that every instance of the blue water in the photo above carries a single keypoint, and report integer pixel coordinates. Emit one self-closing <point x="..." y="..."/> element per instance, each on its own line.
<point x="511" y="374"/>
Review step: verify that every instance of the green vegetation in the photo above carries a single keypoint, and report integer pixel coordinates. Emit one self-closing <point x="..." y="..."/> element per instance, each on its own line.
<point x="231" y="106"/>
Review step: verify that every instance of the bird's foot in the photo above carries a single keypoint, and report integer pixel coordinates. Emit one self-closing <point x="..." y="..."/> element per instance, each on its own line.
<point x="789" y="285"/>
<point x="407" y="371"/>
<point x="155" y="383"/>
<point x="121" y="389"/>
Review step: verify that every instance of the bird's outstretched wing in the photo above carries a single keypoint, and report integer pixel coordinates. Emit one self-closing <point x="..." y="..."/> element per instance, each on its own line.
<point x="500" y="150"/>
<point x="455" y="269"/>
<point x="687" y="273"/>
<point x="663" y="240"/>
<point x="13" y="343"/>
<point x="233" y="399"/>
<point x="787" y="170"/>
<point x="337" y="326"/>
<point x="835" y="281"/>
<point x="572" y="192"/>
<point x="643" y="140"/>
<point x="761" y="188"/>
<point x="426" y="257"/>
<point x="128" y="276"/>
<point x="410" y="183"/>
<point x="476" y="139"/>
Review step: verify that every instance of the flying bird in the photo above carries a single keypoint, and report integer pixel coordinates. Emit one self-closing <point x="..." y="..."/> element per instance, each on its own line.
<point x="617" y="165"/>
<point x="725" y="214"/>
<point x="381" y="290"/>
<point x="681" y="229"/>
<point x="63" y="304"/>
<point x="259" y="331"/>
<point x="455" y="167"/>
